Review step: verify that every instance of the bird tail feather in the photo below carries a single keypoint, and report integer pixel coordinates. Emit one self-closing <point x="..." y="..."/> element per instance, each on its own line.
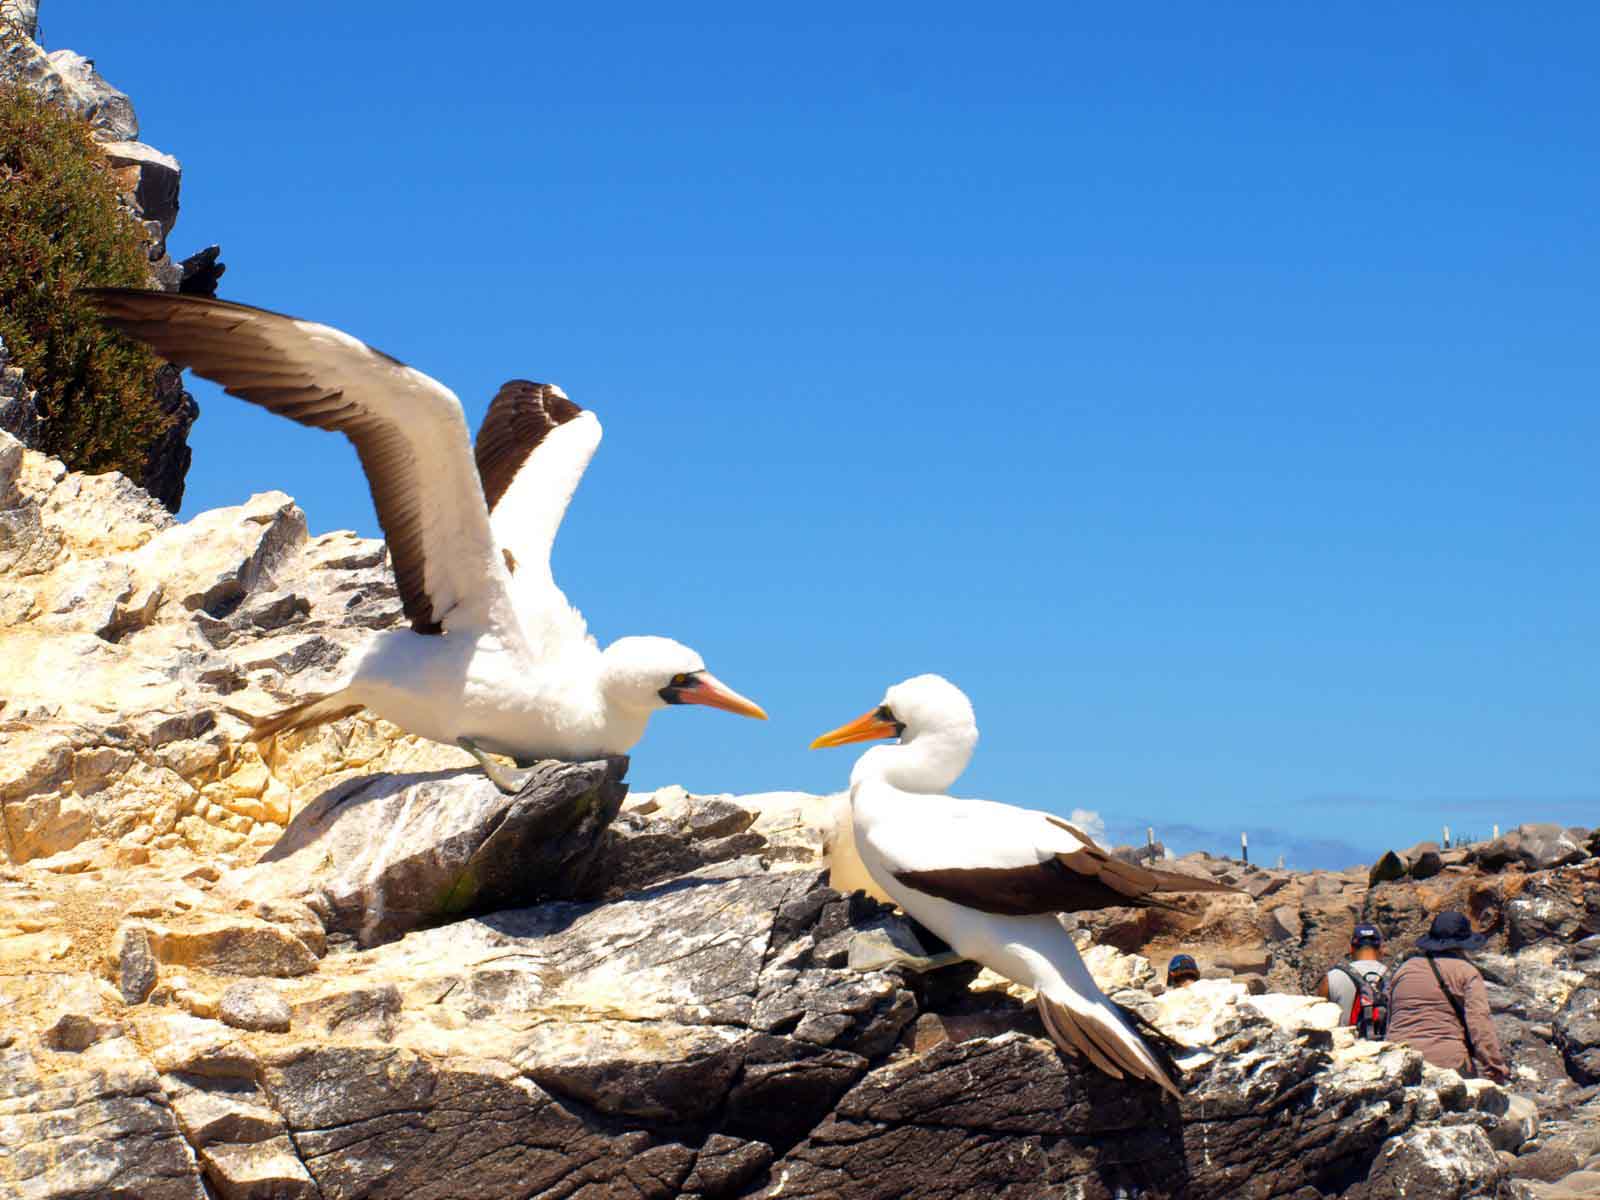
<point x="1098" y="1034"/>
<point x="308" y="714"/>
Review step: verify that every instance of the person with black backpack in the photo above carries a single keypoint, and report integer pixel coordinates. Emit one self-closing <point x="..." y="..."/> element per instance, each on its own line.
<point x="1439" y="1005"/>
<point x="1356" y="986"/>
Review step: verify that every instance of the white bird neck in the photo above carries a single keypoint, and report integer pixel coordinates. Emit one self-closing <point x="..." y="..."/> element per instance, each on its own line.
<point x="927" y="762"/>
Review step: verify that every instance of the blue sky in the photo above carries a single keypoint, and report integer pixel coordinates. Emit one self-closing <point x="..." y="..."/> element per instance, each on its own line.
<point x="1211" y="393"/>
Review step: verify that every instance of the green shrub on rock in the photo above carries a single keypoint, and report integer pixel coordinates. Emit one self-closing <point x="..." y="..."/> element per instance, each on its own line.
<point x="61" y="229"/>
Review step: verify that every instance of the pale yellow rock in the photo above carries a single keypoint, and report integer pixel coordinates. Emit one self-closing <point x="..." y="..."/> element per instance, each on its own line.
<point x="1112" y="969"/>
<point x="25" y="948"/>
<point x="135" y="650"/>
<point x="196" y="1003"/>
<point x="180" y="1042"/>
<point x="1295" y="1013"/>
<point x="230" y="944"/>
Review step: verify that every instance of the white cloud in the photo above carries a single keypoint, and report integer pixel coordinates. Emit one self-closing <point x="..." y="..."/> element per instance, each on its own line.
<point x="1091" y="822"/>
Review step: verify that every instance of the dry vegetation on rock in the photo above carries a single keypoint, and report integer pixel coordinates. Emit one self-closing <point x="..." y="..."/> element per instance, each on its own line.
<point x="61" y="229"/>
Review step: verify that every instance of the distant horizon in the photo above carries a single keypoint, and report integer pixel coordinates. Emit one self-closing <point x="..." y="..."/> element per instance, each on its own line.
<point x="1209" y="395"/>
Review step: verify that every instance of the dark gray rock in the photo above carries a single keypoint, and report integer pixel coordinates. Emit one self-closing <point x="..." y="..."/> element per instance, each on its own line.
<point x="254" y="1005"/>
<point x="1545" y="910"/>
<point x="84" y="92"/>
<point x="1441" y="1164"/>
<point x="380" y="855"/>
<point x="158" y="178"/>
<point x="1389" y="866"/>
<point x="199" y="274"/>
<point x="1577" y="1033"/>
<point x="135" y="963"/>
<point x="1498" y="854"/>
<point x="1424" y="860"/>
<point x="1008" y="1117"/>
<point x="643" y="849"/>
<point x="167" y="460"/>
<point x="1548" y="845"/>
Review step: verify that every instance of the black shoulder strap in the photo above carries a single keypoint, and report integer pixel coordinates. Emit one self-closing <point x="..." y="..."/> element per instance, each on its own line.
<point x="1363" y="984"/>
<point x="1456" y="1006"/>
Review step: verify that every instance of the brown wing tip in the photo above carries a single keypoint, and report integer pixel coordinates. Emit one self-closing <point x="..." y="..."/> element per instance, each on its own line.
<point x="520" y="417"/>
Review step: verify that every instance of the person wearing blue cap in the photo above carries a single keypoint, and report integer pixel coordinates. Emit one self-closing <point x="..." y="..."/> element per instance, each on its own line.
<point x="1439" y="1005"/>
<point x="1356" y="986"/>
<point x="1182" y="971"/>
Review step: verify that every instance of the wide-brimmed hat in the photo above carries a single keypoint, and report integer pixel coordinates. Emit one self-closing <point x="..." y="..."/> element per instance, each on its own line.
<point x="1451" y="931"/>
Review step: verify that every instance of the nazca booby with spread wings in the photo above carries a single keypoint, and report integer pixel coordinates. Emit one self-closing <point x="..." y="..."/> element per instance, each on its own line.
<point x="495" y="658"/>
<point x="990" y="878"/>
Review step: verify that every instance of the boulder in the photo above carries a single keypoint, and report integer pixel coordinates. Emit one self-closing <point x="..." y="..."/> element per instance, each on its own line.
<point x="1577" y="1034"/>
<point x="1282" y="924"/>
<point x="1441" y="1164"/>
<point x="230" y="943"/>
<point x="107" y="111"/>
<point x="386" y="854"/>
<point x="1497" y="854"/>
<point x="151" y="177"/>
<point x="254" y="1005"/>
<point x="1424" y="860"/>
<point x="133" y="964"/>
<point x="1389" y="866"/>
<point x="1543" y="847"/>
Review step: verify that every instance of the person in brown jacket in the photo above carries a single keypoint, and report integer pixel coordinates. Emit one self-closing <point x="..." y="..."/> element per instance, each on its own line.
<point x="1439" y="1006"/>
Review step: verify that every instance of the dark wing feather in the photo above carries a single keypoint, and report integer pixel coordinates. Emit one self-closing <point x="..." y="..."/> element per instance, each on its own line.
<point x="1082" y="880"/>
<point x="533" y="448"/>
<point x="520" y="416"/>
<point x="407" y="429"/>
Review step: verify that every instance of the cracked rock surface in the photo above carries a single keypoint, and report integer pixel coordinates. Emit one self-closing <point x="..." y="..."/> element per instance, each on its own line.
<point x="350" y="967"/>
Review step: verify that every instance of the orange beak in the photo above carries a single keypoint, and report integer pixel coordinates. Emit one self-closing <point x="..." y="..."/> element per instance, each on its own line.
<point x="865" y="728"/>
<point x="705" y="688"/>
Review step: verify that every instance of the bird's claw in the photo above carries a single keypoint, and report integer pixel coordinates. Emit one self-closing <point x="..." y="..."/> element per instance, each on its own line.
<point x="505" y="778"/>
<point x="872" y="950"/>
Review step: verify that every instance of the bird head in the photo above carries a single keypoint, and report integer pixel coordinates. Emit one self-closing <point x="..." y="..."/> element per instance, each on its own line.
<point x="923" y="704"/>
<point x="646" y="673"/>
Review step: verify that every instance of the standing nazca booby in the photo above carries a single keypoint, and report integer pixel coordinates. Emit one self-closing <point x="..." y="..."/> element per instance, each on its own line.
<point x="495" y="658"/>
<point x="990" y="878"/>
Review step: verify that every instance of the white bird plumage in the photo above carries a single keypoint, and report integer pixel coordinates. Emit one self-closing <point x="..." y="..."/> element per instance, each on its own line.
<point x="495" y="657"/>
<point x="991" y="878"/>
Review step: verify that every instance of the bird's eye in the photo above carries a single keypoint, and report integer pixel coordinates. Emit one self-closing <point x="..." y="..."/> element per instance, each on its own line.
<point x="680" y="680"/>
<point x="884" y="714"/>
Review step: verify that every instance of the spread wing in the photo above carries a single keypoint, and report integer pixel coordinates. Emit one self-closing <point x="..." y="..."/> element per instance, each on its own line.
<point x="407" y="428"/>
<point x="532" y="450"/>
<point x="1018" y="862"/>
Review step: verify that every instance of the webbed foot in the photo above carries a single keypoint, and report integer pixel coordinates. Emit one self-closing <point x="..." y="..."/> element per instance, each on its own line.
<point x="505" y="778"/>
<point x="873" y="950"/>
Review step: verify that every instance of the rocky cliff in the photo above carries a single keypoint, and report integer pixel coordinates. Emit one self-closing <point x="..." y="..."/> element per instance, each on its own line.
<point x="149" y="182"/>
<point x="352" y="968"/>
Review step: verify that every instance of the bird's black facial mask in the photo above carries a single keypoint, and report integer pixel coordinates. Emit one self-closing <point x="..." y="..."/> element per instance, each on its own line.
<point x="885" y="714"/>
<point x="673" y="692"/>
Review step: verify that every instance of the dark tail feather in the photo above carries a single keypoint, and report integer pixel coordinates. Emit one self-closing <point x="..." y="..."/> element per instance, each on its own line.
<point x="1105" y="1041"/>
<point x="319" y="710"/>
